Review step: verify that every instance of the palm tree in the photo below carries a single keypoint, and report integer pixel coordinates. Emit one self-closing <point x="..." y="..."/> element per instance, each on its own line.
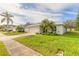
<point x="7" y="17"/>
<point x="52" y="26"/>
<point x="77" y="22"/>
<point x="46" y="26"/>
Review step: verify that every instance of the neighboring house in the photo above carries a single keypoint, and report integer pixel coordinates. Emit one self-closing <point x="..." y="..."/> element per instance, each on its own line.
<point x="68" y="29"/>
<point x="35" y="28"/>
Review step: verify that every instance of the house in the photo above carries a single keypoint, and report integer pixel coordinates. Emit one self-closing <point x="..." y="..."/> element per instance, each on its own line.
<point x="60" y="29"/>
<point x="35" y="28"/>
<point x="11" y="28"/>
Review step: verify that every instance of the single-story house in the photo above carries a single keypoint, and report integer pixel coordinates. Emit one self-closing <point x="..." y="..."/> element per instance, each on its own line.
<point x="35" y="28"/>
<point x="11" y="28"/>
<point x="60" y="29"/>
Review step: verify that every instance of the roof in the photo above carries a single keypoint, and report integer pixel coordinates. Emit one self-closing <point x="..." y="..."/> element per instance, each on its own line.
<point x="32" y="25"/>
<point x="59" y="24"/>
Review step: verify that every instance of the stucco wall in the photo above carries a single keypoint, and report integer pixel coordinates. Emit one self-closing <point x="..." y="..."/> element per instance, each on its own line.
<point x="60" y="30"/>
<point x="34" y="29"/>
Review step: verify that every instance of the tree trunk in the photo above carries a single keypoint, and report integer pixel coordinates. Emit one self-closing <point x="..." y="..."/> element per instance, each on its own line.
<point x="7" y="25"/>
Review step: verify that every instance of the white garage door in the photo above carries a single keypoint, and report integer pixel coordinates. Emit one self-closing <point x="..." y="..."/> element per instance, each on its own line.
<point x="34" y="30"/>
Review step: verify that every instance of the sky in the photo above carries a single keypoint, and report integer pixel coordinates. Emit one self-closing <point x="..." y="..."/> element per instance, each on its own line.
<point x="36" y="12"/>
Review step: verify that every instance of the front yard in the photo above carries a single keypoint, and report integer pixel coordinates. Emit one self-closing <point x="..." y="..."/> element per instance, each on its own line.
<point x="48" y="45"/>
<point x="12" y="33"/>
<point x="3" y="51"/>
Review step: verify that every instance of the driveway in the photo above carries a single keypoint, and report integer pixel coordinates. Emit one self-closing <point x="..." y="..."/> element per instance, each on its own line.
<point x="17" y="49"/>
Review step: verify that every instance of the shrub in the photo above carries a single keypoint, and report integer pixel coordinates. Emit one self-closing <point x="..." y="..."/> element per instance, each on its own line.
<point x="20" y="28"/>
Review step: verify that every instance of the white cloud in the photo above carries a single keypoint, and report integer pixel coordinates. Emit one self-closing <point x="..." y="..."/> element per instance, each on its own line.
<point x="18" y="20"/>
<point x="35" y="16"/>
<point x="55" y="6"/>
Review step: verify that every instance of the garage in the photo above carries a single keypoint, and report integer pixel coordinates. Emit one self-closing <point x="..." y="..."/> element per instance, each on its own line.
<point x="32" y="29"/>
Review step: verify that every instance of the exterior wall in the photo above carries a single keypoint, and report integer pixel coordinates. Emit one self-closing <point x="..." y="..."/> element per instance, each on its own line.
<point x="26" y="29"/>
<point x="60" y="29"/>
<point x="14" y="29"/>
<point x="11" y="28"/>
<point x="33" y="29"/>
<point x="68" y="29"/>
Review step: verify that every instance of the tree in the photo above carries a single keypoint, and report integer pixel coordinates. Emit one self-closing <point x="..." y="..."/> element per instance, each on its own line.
<point x="70" y="24"/>
<point x="46" y="26"/>
<point x="8" y="19"/>
<point x="77" y="22"/>
<point x="20" y="28"/>
<point x="28" y="23"/>
<point x="1" y="28"/>
<point x="52" y="26"/>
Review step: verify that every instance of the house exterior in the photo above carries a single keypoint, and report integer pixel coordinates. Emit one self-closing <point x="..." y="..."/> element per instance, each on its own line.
<point x="35" y="28"/>
<point x="11" y="28"/>
<point x="60" y="29"/>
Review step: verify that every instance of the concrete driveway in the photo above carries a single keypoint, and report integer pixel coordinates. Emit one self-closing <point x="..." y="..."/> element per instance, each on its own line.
<point x="15" y="48"/>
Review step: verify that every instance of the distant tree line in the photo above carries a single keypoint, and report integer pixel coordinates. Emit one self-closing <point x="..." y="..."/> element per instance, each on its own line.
<point x="72" y="24"/>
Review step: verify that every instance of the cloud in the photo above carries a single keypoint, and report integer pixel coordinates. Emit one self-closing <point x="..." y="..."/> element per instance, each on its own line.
<point x="35" y="12"/>
<point x="35" y="16"/>
<point x="55" y="6"/>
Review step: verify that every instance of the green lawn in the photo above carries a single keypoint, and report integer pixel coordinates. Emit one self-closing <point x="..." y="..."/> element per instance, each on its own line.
<point x="12" y="33"/>
<point x="48" y="45"/>
<point x="3" y="51"/>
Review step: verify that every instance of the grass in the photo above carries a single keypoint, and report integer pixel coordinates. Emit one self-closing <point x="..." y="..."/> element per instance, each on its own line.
<point x="3" y="51"/>
<point x="12" y="33"/>
<point x="48" y="45"/>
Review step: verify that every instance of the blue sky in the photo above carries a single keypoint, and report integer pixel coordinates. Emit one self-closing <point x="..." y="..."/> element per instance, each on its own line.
<point x="35" y="13"/>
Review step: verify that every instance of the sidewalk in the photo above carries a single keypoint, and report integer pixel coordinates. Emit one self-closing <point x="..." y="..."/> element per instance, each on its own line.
<point x="17" y="49"/>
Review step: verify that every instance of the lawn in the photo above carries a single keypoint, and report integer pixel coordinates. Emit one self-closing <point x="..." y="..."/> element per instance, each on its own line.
<point x="12" y="33"/>
<point x="3" y="51"/>
<point x="48" y="45"/>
